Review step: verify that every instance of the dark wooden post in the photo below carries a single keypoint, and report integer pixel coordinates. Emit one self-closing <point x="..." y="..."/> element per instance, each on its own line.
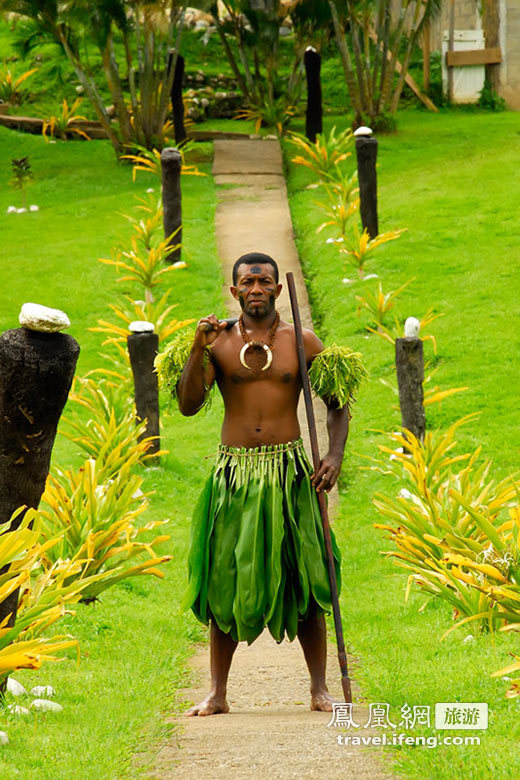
<point x="366" y="151"/>
<point x="451" y="46"/>
<point x="314" y="111"/>
<point x="143" y="345"/>
<point x="409" y="363"/>
<point x="36" y="371"/>
<point x="171" y="163"/>
<point x="491" y="25"/>
<point x="177" y="102"/>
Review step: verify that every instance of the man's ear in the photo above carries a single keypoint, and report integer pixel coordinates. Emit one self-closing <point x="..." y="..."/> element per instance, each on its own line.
<point x="234" y="292"/>
<point x="278" y="290"/>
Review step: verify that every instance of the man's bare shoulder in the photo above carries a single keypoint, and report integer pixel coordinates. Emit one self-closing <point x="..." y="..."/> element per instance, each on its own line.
<point x="313" y="345"/>
<point x="311" y="342"/>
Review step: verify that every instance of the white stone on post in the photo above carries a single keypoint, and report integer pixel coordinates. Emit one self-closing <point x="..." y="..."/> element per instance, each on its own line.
<point x="43" y="319"/>
<point x="363" y="131"/>
<point x="412" y="326"/>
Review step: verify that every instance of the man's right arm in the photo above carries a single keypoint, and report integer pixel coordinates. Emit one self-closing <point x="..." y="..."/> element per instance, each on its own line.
<point x="199" y="373"/>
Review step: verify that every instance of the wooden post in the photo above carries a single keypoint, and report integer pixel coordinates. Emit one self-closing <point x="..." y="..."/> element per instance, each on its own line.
<point x="171" y="164"/>
<point x="409" y="364"/>
<point x="451" y="43"/>
<point x="366" y="151"/>
<point x="143" y="345"/>
<point x="36" y="371"/>
<point x="491" y="25"/>
<point x="177" y="101"/>
<point x="426" y="56"/>
<point x="314" y="110"/>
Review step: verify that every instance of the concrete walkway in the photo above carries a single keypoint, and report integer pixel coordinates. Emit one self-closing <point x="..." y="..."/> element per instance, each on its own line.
<point x="270" y="730"/>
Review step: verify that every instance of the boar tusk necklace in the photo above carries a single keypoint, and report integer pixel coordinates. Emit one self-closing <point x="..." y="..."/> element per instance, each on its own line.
<point x="248" y="343"/>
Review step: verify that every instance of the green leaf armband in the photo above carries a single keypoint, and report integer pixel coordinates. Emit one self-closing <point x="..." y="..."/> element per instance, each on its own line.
<point x="336" y="374"/>
<point x="169" y="364"/>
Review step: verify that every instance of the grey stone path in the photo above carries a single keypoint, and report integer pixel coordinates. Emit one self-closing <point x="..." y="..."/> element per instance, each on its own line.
<point x="270" y="730"/>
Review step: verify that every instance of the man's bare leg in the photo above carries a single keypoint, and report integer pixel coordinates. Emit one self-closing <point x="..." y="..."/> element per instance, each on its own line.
<point x="222" y="647"/>
<point x="312" y="634"/>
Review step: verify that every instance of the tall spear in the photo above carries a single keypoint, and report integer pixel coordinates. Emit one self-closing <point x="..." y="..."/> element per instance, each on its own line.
<point x="322" y="501"/>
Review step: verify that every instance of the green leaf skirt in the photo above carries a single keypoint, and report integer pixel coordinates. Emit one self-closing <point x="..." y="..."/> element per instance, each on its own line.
<point x="257" y="555"/>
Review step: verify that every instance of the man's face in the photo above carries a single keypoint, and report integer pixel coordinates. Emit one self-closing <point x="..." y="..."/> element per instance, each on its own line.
<point x="256" y="289"/>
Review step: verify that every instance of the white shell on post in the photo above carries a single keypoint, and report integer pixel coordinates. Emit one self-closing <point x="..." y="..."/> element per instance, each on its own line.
<point x="362" y="131"/>
<point x="412" y="326"/>
<point x="141" y="326"/>
<point x="34" y="316"/>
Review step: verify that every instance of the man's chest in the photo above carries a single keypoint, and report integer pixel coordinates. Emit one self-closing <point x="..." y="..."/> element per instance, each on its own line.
<point x="239" y="363"/>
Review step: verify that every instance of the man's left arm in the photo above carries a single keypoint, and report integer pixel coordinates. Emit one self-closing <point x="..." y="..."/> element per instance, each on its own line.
<point x="337" y="427"/>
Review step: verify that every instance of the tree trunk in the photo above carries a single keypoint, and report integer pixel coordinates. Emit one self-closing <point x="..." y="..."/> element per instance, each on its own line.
<point x="412" y="38"/>
<point x="92" y="93"/>
<point x="116" y="90"/>
<point x="232" y="61"/>
<point x="346" y="61"/>
<point x="426" y="47"/>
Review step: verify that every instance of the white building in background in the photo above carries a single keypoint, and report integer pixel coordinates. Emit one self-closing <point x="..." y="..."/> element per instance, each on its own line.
<point x="467" y="19"/>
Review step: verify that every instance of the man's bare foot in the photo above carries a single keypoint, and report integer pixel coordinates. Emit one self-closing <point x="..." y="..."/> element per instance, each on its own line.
<point x="212" y="705"/>
<point x="321" y="701"/>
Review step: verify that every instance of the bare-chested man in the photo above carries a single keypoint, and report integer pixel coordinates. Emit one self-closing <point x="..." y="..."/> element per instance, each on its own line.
<point x="257" y="554"/>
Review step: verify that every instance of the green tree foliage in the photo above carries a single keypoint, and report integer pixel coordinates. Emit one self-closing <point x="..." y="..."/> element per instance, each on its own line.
<point x="149" y="33"/>
<point x="373" y="36"/>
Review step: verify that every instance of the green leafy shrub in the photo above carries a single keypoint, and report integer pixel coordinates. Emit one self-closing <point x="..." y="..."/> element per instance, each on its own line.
<point x="457" y="530"/>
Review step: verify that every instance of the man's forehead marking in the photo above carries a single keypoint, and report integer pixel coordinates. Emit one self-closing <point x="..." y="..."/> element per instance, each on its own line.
<point x="255" y="269"/>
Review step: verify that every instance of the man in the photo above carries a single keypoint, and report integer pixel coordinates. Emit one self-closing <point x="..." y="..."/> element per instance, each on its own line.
<point x="257" y="554"/>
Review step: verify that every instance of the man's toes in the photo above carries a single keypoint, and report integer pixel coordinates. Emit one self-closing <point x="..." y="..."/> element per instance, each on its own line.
<point x="207" y="708"/>
<point x="321" y="702"/>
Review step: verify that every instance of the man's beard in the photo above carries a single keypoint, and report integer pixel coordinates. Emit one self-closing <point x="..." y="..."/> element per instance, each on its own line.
<point x="256" y="311"/>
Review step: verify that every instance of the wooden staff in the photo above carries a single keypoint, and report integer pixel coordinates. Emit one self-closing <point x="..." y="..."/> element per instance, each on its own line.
<point x="342" y="656"/>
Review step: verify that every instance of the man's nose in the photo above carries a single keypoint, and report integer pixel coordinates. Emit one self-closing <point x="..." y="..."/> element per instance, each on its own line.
<point x="257" y="287"/>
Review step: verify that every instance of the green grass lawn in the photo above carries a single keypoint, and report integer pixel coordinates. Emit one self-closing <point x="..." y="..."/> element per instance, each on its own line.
<point x="450" y="180"/>
<point x="133" y="642"/>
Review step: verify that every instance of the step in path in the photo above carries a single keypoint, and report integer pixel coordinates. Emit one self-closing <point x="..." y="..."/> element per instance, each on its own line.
<point x="270" y="731"/>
